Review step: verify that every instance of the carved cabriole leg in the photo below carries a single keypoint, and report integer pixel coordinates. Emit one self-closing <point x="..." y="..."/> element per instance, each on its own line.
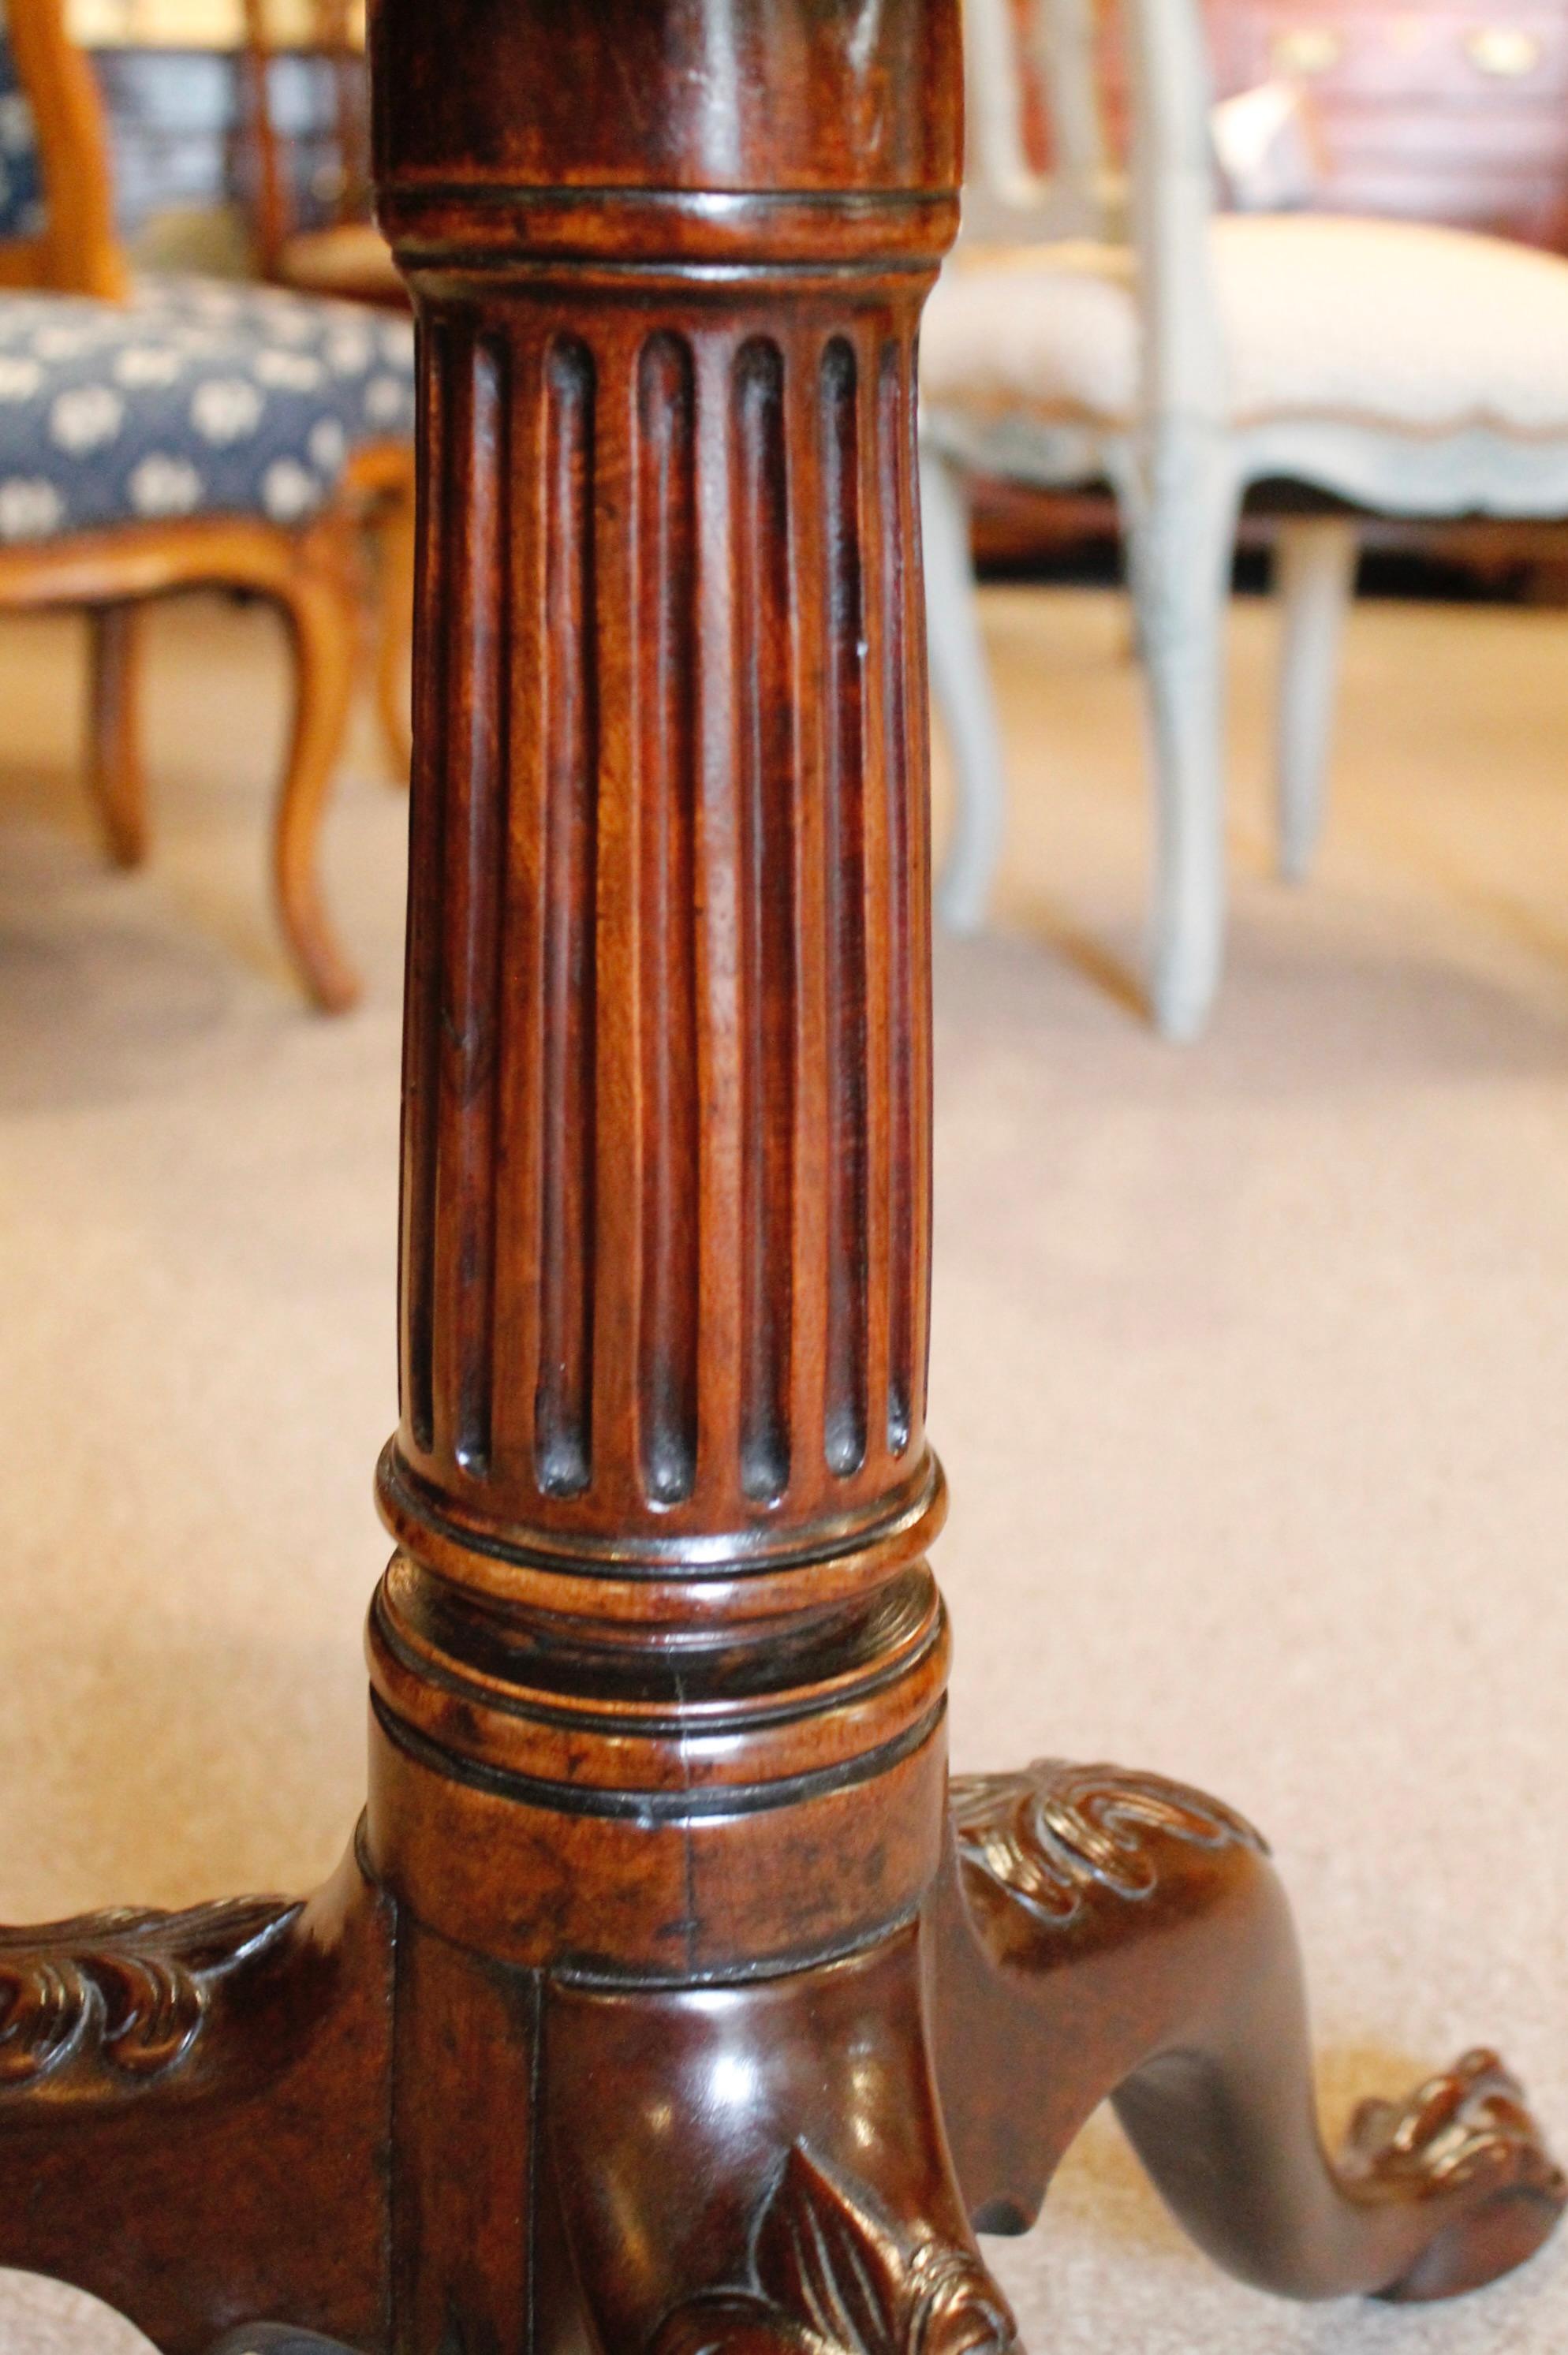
<point x="194" y="2111"/>
<point x="1105" y="1933"/>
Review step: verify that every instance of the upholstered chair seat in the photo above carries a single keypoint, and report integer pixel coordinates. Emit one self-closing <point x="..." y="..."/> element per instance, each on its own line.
<point x="1354" y="321"/>
<point x="194" y="398"/>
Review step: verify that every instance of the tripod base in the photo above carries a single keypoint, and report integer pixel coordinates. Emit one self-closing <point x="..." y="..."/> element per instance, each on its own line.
<point x="326" y="2113"/>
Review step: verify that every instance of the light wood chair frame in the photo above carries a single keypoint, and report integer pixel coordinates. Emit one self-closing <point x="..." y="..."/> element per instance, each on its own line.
<point x="306" y="572"/>
<point x="274" y="209"/>
<point x="383" y="477"/>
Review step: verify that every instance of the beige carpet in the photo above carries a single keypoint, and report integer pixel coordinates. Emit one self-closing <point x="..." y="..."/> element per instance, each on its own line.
<point x="1252" y="1360"/>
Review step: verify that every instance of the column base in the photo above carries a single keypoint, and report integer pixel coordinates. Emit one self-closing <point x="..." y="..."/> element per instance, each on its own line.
<point x="330" y="2114"/>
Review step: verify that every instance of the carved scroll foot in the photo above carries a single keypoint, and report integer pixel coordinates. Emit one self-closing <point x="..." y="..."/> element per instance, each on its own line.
<point x="1466" y="2130"/>
<point x="192" y="2111"/>
<point x="1103" y="1934"/>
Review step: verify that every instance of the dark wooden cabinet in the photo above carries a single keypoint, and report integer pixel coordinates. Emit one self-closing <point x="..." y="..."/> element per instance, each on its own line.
<point x="1443" y="111"/>
<point x="1454" y="112"/>
<point x="1447" y="111"/>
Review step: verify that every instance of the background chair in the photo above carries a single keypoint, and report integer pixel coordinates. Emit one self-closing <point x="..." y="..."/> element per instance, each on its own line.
<point x="1098" y="327"/>
<point x="342" y="253"/>
<point x="179" y="433"/>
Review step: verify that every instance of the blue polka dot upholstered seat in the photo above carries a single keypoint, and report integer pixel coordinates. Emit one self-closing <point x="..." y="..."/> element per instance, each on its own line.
<point x="197" y="397"/>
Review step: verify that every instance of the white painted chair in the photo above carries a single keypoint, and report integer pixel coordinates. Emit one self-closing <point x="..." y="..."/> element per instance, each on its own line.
<point x="1089" y="329"/>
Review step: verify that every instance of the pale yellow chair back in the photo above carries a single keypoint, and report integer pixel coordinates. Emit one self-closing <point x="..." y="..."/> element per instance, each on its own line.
<point x="63" y="239"/>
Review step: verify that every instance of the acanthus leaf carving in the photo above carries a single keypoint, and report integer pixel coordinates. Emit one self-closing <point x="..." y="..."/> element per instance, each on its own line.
<point x="1470" y="2121"/>
<point x="830" y="2276"/>
<point x="1052" y="1834"/>
<point x="119" y="1998"/>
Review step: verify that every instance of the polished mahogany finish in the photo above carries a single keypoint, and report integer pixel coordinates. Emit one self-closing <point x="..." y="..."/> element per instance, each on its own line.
<point x="670" y="2000"/>
<point x="662" y="1490"/>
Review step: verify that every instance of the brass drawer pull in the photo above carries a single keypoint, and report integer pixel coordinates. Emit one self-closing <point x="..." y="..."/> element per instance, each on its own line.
<point x="1307" y="50"/>
<point x="1506" y="51"/>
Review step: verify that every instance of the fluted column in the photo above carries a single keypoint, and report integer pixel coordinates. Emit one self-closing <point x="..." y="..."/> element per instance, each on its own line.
<point x="661" y="1486"/>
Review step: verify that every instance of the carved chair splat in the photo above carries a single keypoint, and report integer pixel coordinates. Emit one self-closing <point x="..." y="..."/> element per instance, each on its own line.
<point x="658" y="1797"/>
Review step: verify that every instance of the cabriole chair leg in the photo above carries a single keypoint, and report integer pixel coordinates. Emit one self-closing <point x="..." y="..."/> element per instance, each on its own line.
<point x="318" y="605"/>
<point x="1315" y="569"/>
<point x="116" y="776"/>
<point x="961" y="684"/>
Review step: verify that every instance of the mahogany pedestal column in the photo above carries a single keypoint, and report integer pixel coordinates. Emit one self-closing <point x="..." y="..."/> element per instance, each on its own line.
<point x="668" y="2002"/>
